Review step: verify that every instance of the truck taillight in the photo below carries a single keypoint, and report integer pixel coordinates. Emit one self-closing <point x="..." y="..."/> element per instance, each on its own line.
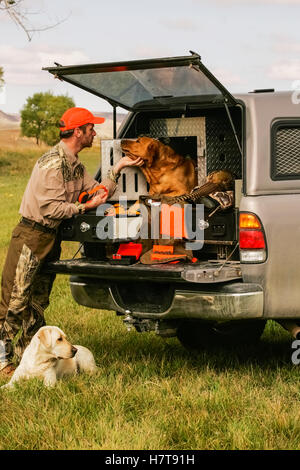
<point x="253" y="248"/>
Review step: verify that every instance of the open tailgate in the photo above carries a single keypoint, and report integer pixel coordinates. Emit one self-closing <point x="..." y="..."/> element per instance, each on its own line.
<point x="200" y="272"/>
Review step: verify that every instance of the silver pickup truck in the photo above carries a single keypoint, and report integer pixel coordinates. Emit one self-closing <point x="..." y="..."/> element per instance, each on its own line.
<point x="247" y="270"/>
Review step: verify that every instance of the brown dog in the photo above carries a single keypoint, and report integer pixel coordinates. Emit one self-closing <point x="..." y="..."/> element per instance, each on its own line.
<point x="167" y="173"/>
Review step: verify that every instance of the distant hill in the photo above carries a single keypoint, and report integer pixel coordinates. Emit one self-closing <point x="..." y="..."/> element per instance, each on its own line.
<point x="105" y="130"/>
<point x="9" y="121"/>
<point x="120" y="116"/>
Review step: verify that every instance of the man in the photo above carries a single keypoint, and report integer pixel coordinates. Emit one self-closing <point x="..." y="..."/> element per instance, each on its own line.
<point x="57" y="179"/>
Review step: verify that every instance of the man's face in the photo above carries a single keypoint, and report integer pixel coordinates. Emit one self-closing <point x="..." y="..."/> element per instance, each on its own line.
<point x="86" y="138"/>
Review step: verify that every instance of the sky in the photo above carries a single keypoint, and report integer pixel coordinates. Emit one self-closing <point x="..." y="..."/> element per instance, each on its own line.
<point x="246" y="44"/>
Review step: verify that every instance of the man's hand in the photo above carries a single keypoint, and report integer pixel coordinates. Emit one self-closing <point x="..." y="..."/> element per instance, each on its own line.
<point x="127" y="161"/>
<point x="96" y="201"/>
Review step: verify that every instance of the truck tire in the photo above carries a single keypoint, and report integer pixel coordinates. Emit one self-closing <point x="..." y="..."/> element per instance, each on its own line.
<point x="199" y="335"/>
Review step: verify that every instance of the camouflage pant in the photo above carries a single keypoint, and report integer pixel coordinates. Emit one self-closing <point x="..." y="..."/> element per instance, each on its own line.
<point x="25" y="289"/>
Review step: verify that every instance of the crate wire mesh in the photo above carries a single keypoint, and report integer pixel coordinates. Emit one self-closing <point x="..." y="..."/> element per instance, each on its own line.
<point x="221" y="148"/>
<point x="216" y="150"/>
<point x="184" y="127"/>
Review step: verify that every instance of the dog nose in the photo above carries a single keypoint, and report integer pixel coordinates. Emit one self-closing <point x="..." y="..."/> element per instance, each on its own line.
<point x="74" y="351"/>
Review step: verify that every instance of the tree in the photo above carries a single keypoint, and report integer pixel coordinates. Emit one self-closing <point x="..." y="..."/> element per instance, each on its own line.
<point x="41" y="114"/>
<point x="16" y="10"/>
<point x="1" y="77"/>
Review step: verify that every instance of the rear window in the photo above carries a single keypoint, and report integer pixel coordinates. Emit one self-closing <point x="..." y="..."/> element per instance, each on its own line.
<point x="285" y="145"/>
<point x="131" y="87"/>
<point x="148" y="83"/>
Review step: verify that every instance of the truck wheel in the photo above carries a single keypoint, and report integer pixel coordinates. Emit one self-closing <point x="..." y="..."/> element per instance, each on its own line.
<point x="197" y="335"/>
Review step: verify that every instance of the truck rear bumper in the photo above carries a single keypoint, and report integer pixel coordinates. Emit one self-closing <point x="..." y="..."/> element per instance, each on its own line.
<point x="227" y="302"/>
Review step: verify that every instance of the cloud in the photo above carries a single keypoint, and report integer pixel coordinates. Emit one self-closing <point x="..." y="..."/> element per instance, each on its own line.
<point x="227" y="77"/>
<point x="261" y="2"/>
<point x="286" y="46"/>
<point x="285" y="70"/>
<point x="22" y="66"/>
<point x="148" y="52"/>
<point x="182" y="24"/>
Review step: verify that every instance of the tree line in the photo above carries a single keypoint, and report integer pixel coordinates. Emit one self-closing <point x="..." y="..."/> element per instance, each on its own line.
<point x="1" y="77"/>
<point x="41" y="114"/>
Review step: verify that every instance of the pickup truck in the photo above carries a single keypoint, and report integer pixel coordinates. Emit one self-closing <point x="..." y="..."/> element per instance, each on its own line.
<point x="247" y="270"/>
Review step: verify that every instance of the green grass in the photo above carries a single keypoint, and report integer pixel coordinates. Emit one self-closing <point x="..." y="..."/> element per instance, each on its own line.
<point x="148" y="393"/>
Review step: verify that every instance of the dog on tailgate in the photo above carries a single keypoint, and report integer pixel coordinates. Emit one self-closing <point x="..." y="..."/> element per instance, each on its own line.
<point x="50" y="356"/>
<point x="166" y="172"/>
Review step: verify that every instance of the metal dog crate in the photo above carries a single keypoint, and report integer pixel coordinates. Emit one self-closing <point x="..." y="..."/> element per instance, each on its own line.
<point x="216" y="147"/>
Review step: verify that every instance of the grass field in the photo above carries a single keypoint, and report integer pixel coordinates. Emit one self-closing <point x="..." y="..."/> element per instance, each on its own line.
<point x="149" y="393"/>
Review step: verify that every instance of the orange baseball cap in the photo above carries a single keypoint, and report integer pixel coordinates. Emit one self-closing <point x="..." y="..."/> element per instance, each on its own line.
<point x="76" y="117"/>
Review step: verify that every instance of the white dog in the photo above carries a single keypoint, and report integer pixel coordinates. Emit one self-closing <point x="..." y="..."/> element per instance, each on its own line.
<point x="50" y="356"/>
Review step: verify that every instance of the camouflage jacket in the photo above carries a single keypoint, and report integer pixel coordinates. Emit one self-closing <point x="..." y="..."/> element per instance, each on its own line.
<point x="56" y="181"/>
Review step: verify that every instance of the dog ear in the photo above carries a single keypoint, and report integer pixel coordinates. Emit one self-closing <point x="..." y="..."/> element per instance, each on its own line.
<point x="45" y="338"/>
<point x="151" y="152"/>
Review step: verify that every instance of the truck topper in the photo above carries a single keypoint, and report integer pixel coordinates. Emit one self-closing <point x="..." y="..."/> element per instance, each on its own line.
<point x="246" y="270"/>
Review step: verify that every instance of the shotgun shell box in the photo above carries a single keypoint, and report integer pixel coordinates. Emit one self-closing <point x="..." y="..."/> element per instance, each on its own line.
<point x="130" y="249"/>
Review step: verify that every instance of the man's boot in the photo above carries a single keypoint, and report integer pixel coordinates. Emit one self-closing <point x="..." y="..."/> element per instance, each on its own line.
<point x="6" y="352"/>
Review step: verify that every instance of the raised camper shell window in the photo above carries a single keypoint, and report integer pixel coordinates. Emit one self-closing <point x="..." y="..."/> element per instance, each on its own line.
<point x="285" y="150"/>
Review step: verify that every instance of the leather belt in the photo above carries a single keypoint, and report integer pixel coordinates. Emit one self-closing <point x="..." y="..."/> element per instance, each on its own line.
<point x="37" y="226"/>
